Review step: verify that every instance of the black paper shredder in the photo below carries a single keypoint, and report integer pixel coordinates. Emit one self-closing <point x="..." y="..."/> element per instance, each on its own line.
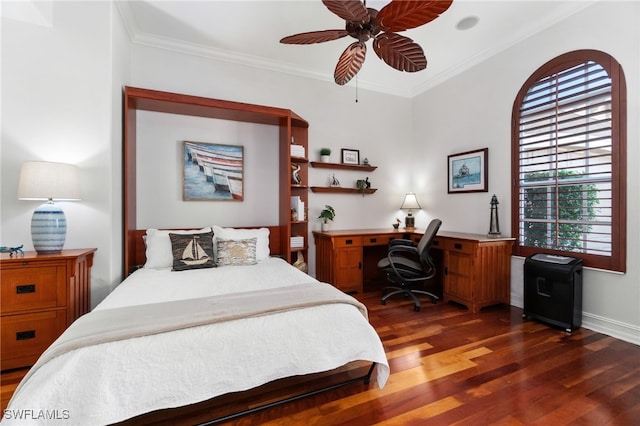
<point x="553" y="290"/>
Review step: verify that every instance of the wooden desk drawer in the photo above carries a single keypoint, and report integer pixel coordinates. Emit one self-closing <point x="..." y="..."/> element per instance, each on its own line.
<point x="347" y="241"/>
<point x="31" y="288"/>
<point x="461" y="246"/>
<point x="377" y="240"/>
<point x="25" y="337"/>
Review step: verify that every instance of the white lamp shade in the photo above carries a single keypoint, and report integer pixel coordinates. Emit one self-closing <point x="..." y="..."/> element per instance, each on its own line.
<point x="410" y="202"/>
<point x="44" y="180"/>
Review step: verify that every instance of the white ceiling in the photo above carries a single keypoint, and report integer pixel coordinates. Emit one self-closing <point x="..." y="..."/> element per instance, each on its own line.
<point x="248" y="32"/>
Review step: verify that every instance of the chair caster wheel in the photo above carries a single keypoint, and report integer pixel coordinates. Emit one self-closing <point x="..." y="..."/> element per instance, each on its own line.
<point x="416" y="308"/>
<point x="384" y="302"/>
<point x="434" y="300"/>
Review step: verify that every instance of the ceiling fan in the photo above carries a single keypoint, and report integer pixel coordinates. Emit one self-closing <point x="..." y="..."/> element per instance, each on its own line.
<point x="363" y="23"/>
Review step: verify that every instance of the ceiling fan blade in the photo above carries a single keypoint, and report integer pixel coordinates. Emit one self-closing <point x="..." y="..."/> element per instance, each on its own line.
<point x="314" y="37"/>
<point x="349" y="10"/>
<point x="350" y="62"/>
<point x="400" y="15"/>
<point x="399" y="52"/>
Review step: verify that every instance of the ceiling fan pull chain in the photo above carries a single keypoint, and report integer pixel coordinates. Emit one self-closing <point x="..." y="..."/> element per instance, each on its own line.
<point x="356" y="88"/>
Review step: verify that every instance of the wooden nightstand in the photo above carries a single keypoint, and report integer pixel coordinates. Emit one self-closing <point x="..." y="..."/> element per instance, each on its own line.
<point x="41" y="295"/>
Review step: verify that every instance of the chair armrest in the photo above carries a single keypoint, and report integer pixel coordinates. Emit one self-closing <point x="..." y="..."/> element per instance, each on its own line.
<point x="402" y="249"/>
<point x="400" y="241"/>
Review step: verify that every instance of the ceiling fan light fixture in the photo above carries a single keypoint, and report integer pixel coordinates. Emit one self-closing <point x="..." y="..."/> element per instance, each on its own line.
<point x="364" y="23"/>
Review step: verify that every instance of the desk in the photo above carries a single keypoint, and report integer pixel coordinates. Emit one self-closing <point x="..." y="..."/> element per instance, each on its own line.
<point x="475" y="269"/>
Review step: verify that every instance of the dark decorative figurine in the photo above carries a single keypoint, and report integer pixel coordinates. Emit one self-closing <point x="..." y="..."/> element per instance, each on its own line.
<point x="12" y="250"/>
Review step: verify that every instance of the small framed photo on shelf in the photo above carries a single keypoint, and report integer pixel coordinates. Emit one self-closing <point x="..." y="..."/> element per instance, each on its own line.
<point x="350" y="156"/>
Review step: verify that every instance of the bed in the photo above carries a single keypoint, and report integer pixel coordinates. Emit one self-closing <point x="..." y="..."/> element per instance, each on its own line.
<point x="166" y="338"/>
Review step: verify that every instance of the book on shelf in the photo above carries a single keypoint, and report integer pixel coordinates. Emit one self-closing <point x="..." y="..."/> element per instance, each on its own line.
<point x="298" y="205"/>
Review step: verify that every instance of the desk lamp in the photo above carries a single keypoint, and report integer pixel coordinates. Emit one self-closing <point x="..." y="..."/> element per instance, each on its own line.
<point x="43" y="180"/>
<point x="410" y="202"/>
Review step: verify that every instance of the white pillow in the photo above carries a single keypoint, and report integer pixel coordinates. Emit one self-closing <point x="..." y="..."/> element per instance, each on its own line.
<point x="158" y="246"/>
<point x="261" y="234"/>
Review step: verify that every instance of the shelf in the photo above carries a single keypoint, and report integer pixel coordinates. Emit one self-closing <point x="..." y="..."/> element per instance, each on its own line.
<point x="299" y="160"/>
<point x="321" y="165"/>
<point x="338" y="190"/>
<point x="296" y="186"/>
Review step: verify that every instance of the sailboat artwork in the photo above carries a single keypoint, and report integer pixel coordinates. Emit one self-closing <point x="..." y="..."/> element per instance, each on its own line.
<point x="213" y="172"/>
<point x="194" y="254"/>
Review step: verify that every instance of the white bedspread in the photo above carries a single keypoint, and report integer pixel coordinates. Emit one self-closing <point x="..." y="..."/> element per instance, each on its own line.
<point x="111" y="382"/>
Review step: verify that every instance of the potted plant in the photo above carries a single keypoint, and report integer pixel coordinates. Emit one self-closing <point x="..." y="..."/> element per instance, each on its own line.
<point x="324" y="154"/>
<point x="362" y="185"/>
<point x="327" y="214"/>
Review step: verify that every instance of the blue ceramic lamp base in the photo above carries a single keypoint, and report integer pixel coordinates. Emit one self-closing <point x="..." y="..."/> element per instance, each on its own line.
<point x="48" y="228"/>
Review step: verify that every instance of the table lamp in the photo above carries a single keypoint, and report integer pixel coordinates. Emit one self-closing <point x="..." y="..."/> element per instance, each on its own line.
<point x="43" y="180"/>
<point x="410" y="202"/>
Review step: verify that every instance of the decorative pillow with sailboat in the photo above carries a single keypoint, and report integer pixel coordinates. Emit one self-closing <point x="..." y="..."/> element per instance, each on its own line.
<point x="192" y="251"/>
<point x="158" y="246"/>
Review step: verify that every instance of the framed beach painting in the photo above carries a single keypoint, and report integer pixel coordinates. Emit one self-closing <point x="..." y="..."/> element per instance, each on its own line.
<point x="468" y="171"/>
<point x="212" y="172"/>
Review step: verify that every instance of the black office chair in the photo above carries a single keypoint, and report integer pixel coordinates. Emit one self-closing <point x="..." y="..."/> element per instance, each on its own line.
<point x="407" y="263"/>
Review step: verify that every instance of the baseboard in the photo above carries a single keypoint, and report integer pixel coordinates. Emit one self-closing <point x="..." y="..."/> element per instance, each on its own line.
<point x="620" y="330"/>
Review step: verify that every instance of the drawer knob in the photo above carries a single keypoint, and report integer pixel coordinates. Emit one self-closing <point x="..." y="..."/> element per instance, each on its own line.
<point x="26" y="335"/>
<point x="26" y="288"/>
<point x="373" y="240"/>
<point x="349" y="242"/>
<point x="458" y="246"/>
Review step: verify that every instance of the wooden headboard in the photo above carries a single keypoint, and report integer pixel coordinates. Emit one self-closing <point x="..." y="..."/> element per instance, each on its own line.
<point x="288" y="123"/>
<point x="135" y="243"/>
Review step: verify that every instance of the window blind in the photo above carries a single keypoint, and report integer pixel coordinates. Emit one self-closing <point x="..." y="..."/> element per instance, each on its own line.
<point x="565" y="162"/>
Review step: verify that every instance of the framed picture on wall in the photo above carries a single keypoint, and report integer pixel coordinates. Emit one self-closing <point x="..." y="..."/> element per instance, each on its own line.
<point x="350" y="156"/>
<point x="468" y="171"/>
<point x="212" y="172"/>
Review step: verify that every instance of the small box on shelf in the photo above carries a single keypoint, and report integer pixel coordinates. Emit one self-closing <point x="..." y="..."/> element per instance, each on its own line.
<point x="298" y="151"/>
<point x="297" y="242"/>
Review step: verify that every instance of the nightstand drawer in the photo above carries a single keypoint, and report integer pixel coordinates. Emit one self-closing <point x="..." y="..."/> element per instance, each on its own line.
<point x="32" y="288"/>
<point x="348" y="241"/>
<point x="25" y="337"/>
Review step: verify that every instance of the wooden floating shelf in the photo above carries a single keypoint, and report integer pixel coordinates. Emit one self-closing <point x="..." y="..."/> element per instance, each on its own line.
<point x="321" y="165"/>
<point x="337" y="189"/>
<point x="299" y="160"/>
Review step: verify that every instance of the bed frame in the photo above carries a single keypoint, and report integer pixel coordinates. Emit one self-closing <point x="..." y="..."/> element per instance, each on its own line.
<point x="232" y="406"/>
<point x="333" y="380"/>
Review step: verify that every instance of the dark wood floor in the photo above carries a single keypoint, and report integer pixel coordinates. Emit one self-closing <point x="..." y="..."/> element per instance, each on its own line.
<point x="451" y="367"/>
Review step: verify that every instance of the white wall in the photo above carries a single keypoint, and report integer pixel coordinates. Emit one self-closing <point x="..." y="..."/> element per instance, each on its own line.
<point x="473" y="110"/>
<point x="58" y="104"/>
<point x="159" y="172"/>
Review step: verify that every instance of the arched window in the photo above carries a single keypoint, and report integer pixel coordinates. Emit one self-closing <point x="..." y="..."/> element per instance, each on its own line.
<point x="568" y="155"/>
